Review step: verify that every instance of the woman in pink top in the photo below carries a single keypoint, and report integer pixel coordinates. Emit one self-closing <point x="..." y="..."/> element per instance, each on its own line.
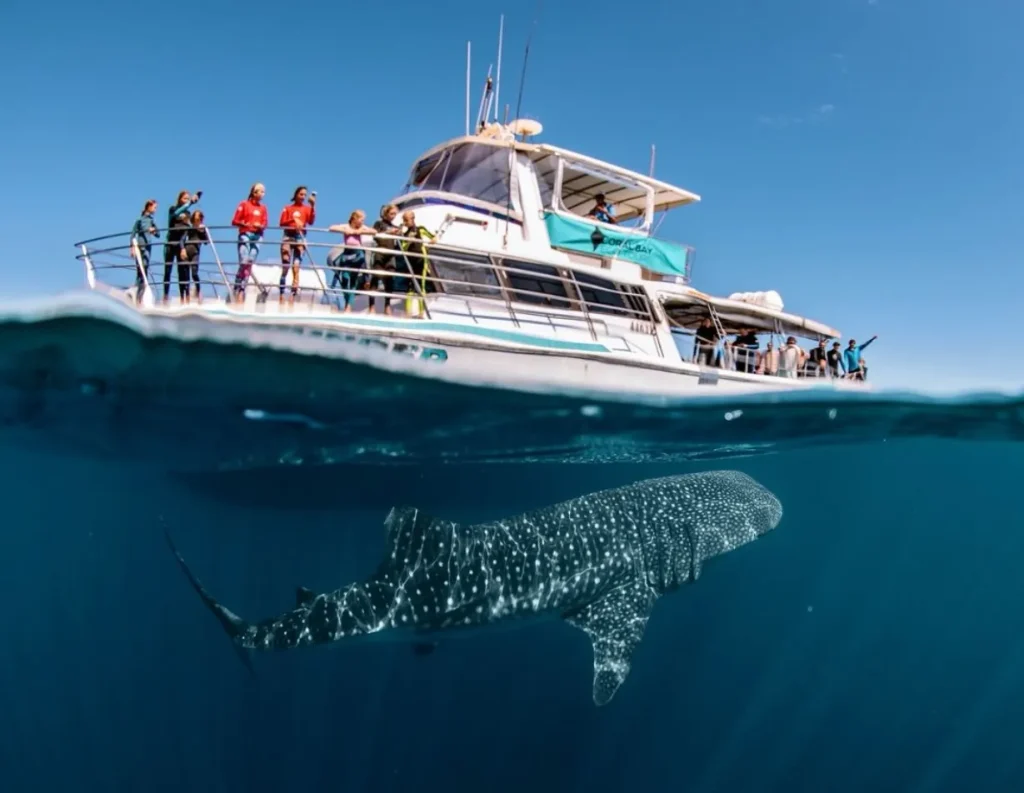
<point x="349" y="256"/>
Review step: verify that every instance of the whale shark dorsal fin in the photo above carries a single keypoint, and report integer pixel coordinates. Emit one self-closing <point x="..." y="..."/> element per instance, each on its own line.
<point x="399" y="520"/>
<point x="303" y="596"/>
<point x="615" y="623"/>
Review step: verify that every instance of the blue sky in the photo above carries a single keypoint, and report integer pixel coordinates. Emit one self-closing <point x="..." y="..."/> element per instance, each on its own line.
<point x="863" y="158"/>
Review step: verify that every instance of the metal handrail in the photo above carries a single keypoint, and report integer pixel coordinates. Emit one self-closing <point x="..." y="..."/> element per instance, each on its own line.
<point x="726" y="356"/>
<point x="113" y="259"/>
<point x="390" y="252"/>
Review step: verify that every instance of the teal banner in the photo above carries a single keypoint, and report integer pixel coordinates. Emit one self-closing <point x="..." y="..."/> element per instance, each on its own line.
<point x="578" y="235"/>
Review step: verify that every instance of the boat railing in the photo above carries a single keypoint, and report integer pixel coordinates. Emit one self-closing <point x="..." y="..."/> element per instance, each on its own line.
<point x="529" y="290"/>
<point x="724" y="356"/>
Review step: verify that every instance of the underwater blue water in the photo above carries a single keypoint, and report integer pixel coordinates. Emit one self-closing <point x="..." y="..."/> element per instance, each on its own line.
<point x="873" y="641"/>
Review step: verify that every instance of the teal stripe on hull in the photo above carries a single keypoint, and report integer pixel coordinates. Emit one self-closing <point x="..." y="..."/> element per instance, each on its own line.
<point x="419" y="325"/>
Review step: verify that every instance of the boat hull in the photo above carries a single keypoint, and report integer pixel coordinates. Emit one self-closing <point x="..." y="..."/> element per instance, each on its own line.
<point x="487" y="357"/>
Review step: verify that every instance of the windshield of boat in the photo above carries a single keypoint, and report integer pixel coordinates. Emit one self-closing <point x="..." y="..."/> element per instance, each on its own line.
<point x="472" y="170"/>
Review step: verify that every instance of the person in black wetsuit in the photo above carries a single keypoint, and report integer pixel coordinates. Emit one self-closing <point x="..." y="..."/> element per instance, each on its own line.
<point x="188" y="266"/>
<point x="833" y="360"/>
<point x="384" y="261"/>
<point x="746" y="346"/>
<point x="704" y="343"/>
<point x="178" y="220"/>
<point x="816" y="361"/>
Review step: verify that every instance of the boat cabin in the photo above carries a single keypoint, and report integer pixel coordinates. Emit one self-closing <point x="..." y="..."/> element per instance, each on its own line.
<point x="494" y="192"/>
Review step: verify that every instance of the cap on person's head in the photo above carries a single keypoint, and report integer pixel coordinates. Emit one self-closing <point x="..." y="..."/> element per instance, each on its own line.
<point x="852" y="342"/>
<point x="791" y="340"/>
<point x="836" y="344"/>
<point x="599" y="198"/>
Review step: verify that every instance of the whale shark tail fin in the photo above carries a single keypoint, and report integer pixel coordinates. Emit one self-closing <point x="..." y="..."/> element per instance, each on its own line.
<point x="233" y="624"/>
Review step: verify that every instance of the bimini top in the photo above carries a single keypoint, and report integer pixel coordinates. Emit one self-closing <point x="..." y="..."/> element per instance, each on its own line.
<point x="689" y="308"/>
<point x="581" y="184"/>
<point x="580" y="187"/>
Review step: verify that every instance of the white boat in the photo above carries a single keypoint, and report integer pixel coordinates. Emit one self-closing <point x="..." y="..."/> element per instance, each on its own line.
<point x="521" y="288"/>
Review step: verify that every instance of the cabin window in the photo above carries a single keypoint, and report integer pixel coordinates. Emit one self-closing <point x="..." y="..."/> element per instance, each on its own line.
<point x="602" y="296"/>
<point x="473" y="170"/>
<point x="539" y="284"/>
<point x="630" y="202"/>
<point x="465" y="273"/>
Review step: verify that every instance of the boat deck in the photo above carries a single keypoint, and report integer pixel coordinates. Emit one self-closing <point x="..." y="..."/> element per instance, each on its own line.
<point x="448" y="296"/>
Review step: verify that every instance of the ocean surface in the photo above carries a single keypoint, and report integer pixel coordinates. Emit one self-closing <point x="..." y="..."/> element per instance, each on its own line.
<point x="873" y="641"/>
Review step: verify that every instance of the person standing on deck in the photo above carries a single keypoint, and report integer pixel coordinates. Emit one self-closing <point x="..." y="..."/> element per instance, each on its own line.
<point x="791" y="358"/>
<point x="834" y="360"/>
<point x="251" y="221"/>
<point x="384" y="263"/>
<point x="417" y="263"/>
<point x="188" y="267"/>
<point x="768" y="361"/>
<point x="746" y="347"/>
<point x="178" y="221"/>
<point x="855" y="370"/>
<point x="144" y="228"/>
<point x="295" y="219"/>
<point x="816" y="361"/>
<point x="348" y="260"/>
<point x="601" y="210"/>
<point x="704" y="343"/>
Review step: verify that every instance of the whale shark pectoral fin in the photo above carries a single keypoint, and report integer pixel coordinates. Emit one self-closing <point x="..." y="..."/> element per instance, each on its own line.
<point x="615" y="623"/>
<point x="303" y="596"/>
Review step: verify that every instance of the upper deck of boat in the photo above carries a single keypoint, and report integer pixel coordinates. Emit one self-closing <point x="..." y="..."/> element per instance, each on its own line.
<point x="629" y="191"/>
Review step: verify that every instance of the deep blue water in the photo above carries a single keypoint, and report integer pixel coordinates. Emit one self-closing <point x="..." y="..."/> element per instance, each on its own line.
<point x="873" y="641"/>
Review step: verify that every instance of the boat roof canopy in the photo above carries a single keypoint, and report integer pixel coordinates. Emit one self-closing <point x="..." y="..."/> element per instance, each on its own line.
<point x="579" y="188"/>
<point x="689" y="309"/>
<point x="625" y="190"/>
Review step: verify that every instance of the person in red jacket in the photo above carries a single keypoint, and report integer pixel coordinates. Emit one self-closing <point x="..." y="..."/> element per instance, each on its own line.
<point x="251" y="221"/>
<point x="295" y="219"/>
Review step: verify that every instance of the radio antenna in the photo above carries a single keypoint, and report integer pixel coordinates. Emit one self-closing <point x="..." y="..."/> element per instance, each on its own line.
<point x="651" y="170"/>
<point x="469" y="47"/>
<point x="526" y="58"/>
<point x="497" y="78"/>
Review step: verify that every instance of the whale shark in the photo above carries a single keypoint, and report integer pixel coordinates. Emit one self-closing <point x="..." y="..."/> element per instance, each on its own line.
<point x="599" y="562"/>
